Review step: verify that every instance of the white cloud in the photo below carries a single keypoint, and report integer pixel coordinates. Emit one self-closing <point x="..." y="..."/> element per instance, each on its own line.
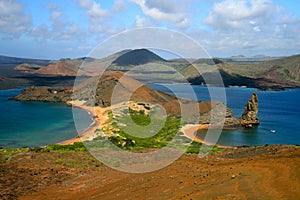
<point x="169" y="10"/>
<point x="140" y="21"/>
<point x="243" y="14"/>
<point x="118" y="6"/>
<point x="100" y="20"/>
<point x="184" y="23"/>
<point x="13" y="20"/>
<point x="249" y="27"/>
<point x="55" y="15"/>
<point x="59" y="29"/>
<point x="40" y="31"/>
<point x="256" y="29"/>
<point x="94" y="10"/>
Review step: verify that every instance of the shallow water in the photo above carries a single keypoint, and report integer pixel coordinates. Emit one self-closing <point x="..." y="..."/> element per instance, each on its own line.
<point x="36" y="123"/>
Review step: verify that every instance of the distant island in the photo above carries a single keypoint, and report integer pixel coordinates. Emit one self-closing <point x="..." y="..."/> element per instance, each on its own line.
<point x="262" y="72"/>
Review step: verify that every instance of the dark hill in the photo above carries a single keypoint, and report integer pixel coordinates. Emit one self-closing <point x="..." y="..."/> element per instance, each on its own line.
<point x="228" y="79"/>
<point x="137" y="57"/>
<point x="208" y="61"/>
<point x="272" y="80"/>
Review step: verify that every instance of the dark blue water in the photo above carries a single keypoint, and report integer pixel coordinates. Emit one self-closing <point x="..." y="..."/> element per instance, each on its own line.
<point x="278" y="111"/>
<point x="36" y="123"/>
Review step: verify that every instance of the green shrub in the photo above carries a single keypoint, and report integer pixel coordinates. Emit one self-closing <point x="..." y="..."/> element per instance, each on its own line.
<point x="159" y="140"/>
<point x="77" y="146"/>
<point x="194" y="148"/>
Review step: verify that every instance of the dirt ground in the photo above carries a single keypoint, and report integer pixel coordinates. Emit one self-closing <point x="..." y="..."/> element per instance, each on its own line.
<point x="269" y="172"/>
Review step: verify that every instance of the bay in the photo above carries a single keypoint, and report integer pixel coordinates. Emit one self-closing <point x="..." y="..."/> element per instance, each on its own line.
<point x="279" y="113"/>
<point x="36" y="123"/>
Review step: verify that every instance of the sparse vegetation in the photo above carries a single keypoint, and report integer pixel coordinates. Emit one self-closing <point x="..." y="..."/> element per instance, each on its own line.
<point x="77" y="146"/>
<point x="139" y="117"/>
<point x="5" y="153"/>
<point x="196" y="147"/>
<point x="129" y="141"/>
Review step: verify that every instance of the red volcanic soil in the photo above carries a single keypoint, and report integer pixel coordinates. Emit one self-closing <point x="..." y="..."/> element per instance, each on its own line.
<point x="22" y="68"/>
<point x="60" y="69"/>
<point x="269" y="172"/>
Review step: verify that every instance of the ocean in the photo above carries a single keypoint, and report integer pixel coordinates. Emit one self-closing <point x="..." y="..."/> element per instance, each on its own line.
<point x="29" y="124"/>
<point x="38" y="124"/>
<point x="279" y="113"/>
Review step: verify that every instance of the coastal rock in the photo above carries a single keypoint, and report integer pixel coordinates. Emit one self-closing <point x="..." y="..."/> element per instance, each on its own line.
<point x="249" y="116"/>
<point x="220" y="116"/>
<point x="45" y="94"/>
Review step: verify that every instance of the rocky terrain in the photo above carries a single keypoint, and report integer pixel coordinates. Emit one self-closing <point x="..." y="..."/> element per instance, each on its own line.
<point x="268" y="172"/>
<point x="45" y="94"/>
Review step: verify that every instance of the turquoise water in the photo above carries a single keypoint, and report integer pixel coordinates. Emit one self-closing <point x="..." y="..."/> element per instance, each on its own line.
<point x="36" y="123"/>
<point x="279" y="111"/>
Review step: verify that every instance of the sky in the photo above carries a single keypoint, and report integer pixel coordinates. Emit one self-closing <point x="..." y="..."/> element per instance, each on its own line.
<point x="52" y="29"/>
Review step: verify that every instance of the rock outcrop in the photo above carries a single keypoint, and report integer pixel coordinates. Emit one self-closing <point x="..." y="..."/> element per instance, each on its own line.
<point x="22" y="67"/>
<point x="249" y="117"/>
<point x="26" y="67"/>
<point x="45" y="94"/>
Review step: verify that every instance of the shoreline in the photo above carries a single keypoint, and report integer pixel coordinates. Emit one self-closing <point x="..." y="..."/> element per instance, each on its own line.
<point x="190" y="129"/>
<point x="97" y="113"/>
<point x="89" y="133"/>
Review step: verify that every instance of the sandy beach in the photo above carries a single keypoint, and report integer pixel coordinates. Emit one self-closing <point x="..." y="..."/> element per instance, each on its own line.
<point x="190" y="131"/>
<point x="100" y="116"/>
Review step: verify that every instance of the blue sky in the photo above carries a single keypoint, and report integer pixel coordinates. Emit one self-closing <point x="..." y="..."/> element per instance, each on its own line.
<point x="72" y="28"/>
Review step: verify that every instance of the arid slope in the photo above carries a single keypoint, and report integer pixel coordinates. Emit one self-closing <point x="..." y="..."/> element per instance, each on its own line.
<point x="270" y="172"/>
